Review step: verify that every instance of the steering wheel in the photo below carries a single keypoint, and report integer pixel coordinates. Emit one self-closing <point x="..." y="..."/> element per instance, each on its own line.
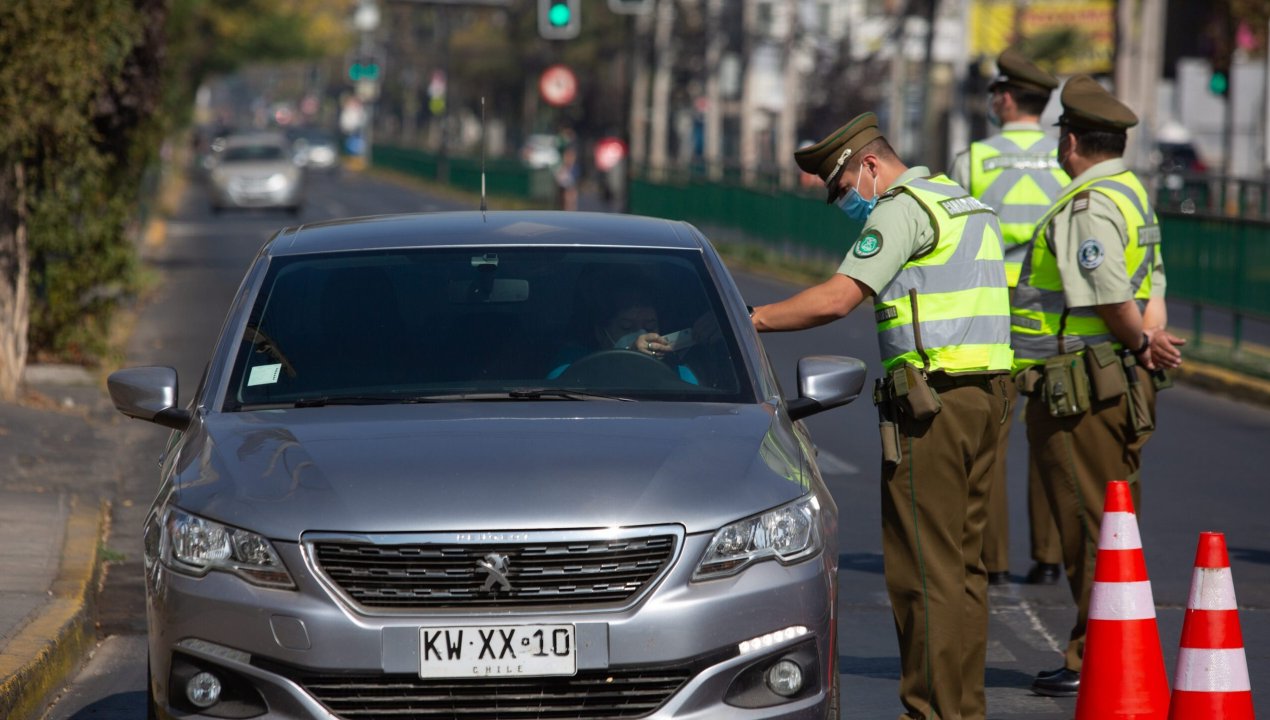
<point x="611" y="367"/>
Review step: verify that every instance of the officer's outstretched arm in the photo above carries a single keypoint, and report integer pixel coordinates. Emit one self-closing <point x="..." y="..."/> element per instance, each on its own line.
<point x="817" y="305"/>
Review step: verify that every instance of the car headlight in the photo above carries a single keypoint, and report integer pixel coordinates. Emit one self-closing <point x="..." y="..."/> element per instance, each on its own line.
<point x="196" y="545"/>
<point x="787" y="533"/>
<point x="277" y="181"/>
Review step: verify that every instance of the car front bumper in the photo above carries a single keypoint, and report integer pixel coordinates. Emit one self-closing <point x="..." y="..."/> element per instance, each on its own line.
<point x="292" y="646"/>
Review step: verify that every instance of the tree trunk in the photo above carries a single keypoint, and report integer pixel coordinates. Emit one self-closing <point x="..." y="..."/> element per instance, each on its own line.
<point x="14" y="266"/>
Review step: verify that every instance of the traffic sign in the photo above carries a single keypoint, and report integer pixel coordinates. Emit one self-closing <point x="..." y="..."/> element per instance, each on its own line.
<point x="558" y="85"/>
<point x="609" y="152"/>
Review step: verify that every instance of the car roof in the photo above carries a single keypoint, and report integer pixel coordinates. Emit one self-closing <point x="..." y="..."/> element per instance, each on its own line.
<point x="508" y="228"/>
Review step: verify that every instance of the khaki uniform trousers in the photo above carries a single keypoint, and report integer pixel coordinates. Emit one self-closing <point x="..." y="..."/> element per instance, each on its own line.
<point x="1043" y="533"/>
<point x="934" y="504"/>
<point x="1077" y="456"/>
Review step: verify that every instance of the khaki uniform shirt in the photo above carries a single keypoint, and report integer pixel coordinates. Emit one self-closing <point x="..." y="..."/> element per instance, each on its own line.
<point x="897" y="229"/>
<point x="960" y="172"/>
<point x="1108" y="283"/>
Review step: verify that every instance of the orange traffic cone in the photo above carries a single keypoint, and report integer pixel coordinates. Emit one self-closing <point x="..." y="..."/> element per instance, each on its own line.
<point x="1122" y="674"/>
<point x="1212" y="671"/>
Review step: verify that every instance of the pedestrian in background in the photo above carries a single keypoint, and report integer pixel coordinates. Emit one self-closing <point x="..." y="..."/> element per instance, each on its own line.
<point x="568" y="173"/>
<point x="1087" y="330"/>
<point x="930" y="257"/>
<point x="1016" y="173"/>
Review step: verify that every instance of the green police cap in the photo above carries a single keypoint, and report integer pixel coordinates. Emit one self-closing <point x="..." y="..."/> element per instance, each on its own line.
<point x="828" y="157"/>
<point x="1088" y="106"/>
<point x="1015" y="69"/>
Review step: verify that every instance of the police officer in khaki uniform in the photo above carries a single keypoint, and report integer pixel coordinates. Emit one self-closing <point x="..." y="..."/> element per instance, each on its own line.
<point x="930" y="257"/>
<point x="1016" y="173"/>
<point x="1087" y="324"/>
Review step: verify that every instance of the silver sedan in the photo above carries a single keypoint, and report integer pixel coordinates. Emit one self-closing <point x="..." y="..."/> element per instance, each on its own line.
<point x="515" y="465"/>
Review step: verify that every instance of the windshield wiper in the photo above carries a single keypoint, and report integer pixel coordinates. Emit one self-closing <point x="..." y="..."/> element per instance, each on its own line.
<point x="563" y="394"/>
<point x="518" y="394"/>
<point x="369" y="400"/>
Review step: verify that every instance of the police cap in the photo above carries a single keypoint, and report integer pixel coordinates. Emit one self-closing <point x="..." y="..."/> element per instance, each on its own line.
<point x="828" y="157"/>
<point x="1016" y="70"/>
<point x="1088" y="106"/>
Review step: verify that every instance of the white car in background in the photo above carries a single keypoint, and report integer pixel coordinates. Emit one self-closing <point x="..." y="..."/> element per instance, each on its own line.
<point x="257" y="170"/>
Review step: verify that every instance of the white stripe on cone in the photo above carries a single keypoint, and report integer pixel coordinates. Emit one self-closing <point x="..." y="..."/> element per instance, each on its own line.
<point x="1212" y="589"/>
<point x="1121" y="601"/>
<point x="1212" y="670"/>
<point x="1119" y="532"/>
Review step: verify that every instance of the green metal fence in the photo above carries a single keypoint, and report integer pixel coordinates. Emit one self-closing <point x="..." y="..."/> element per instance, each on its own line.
<point x="1214" y="262"/>
<point x="1221" y="263"/>
<point x="769" y="215"/>
<point x="504" y="177"/>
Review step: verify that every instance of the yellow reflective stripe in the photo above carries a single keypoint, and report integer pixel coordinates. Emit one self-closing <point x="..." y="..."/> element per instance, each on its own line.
<point x="961" y="358"/>
<point x="1013" y="268"/>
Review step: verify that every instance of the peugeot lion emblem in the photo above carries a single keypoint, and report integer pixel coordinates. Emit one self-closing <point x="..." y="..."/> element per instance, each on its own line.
<point x="495" y="567"/>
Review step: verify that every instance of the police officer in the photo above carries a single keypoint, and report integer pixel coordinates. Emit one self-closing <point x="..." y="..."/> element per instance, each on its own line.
<point x="1016" y="173"/>
<point x="930" y="257"/>
<point x="1087" y="330"/>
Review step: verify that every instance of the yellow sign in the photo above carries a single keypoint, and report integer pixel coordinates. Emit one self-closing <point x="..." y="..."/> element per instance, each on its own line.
<point x="1082" y="32"/>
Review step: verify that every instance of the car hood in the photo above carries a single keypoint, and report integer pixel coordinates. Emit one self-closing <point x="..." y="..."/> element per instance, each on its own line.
<point x="482" y="466"/>
<point x="255" y="168"/>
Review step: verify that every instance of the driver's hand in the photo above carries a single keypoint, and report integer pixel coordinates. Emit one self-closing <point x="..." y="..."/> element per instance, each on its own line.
<point x="651" y="344"/>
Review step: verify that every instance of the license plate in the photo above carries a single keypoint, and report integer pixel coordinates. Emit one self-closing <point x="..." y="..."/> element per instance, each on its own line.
<point x="497" y="650"/>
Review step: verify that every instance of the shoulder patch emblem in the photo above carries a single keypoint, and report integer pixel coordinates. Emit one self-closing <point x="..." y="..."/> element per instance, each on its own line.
<point x="1081" y="202"/>
<point x="1090" y="254"/>
<point x="869" y="244"/>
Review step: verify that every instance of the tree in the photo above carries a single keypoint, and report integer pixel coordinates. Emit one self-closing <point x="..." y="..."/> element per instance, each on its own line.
<point x="88" y="90"/>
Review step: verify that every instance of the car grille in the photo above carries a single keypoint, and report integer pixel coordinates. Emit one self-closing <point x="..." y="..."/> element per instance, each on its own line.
<point x="591" y="694"/>
<point x="435" y="574"/>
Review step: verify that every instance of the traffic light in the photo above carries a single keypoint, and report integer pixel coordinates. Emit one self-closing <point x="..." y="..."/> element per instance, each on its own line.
<point x="1219" y="83"/>
<point x="559" y="19"/>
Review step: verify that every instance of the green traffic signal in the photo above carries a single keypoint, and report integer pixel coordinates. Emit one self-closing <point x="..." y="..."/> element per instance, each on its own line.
<point x="559" y="14"/>
<point x="1218" y="83"/>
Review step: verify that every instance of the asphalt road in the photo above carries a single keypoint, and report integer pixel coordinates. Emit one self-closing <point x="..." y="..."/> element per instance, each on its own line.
<point x="1205" y="469"/>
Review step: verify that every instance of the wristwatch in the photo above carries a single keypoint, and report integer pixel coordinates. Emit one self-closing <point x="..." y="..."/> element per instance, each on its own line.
<point x="1146" y="343"/>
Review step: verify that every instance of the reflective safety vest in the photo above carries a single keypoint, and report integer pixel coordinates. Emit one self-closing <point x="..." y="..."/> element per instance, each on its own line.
<point x="1017" y="174"/>
<point x="948" y="309"/>
<point x="1042" y="325"/>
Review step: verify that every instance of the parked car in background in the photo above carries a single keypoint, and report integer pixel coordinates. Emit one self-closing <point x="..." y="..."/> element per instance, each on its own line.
<point x="315" y="148"/>
<point x="256" y="170"/>
<point x="540" y="151"/>
<point x="435" y="466"/>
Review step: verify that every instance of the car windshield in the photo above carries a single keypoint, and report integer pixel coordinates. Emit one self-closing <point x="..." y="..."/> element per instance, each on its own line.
<point x="248" y="153"/>
<point x="453" y="324"/>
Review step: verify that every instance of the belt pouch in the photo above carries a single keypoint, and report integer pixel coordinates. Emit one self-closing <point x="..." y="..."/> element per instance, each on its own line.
<point x="1106" y="373"/>
<point x="887" y="426"/>
<point x="1066" y="386"/>
<point x="1141" y="420"/>
<point x="915" y="397"/>
<point x="1029" y="381"/>
<point x="1162" y="379"/>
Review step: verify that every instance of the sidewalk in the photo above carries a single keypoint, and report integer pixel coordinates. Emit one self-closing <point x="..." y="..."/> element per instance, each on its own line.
<point x="56" y="452"/>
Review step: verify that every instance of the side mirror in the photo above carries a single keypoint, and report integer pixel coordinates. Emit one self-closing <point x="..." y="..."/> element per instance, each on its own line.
<point x="148" y="393"/>
<point x="826" y="382"/>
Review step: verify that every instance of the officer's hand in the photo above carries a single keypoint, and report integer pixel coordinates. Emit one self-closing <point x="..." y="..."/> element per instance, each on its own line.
<point x="1164" y="351"/>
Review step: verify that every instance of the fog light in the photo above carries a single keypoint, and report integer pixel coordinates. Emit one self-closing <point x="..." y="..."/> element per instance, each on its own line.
<point x="785" y="678"/>
<point x="204" y="689"/>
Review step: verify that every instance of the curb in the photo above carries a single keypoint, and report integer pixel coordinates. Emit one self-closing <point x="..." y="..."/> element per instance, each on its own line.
<point x="1227" y="382"/>
<point x="42" y="655"/>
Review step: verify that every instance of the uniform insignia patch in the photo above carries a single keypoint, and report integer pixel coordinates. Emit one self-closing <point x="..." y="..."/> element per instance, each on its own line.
<point x="1090" y="254"/>
<point x="1081" y="202"/>
<point x="869" y="244"/>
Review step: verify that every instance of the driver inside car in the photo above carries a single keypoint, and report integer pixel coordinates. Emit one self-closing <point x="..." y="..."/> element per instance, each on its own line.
<point x="623" y="319"/>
